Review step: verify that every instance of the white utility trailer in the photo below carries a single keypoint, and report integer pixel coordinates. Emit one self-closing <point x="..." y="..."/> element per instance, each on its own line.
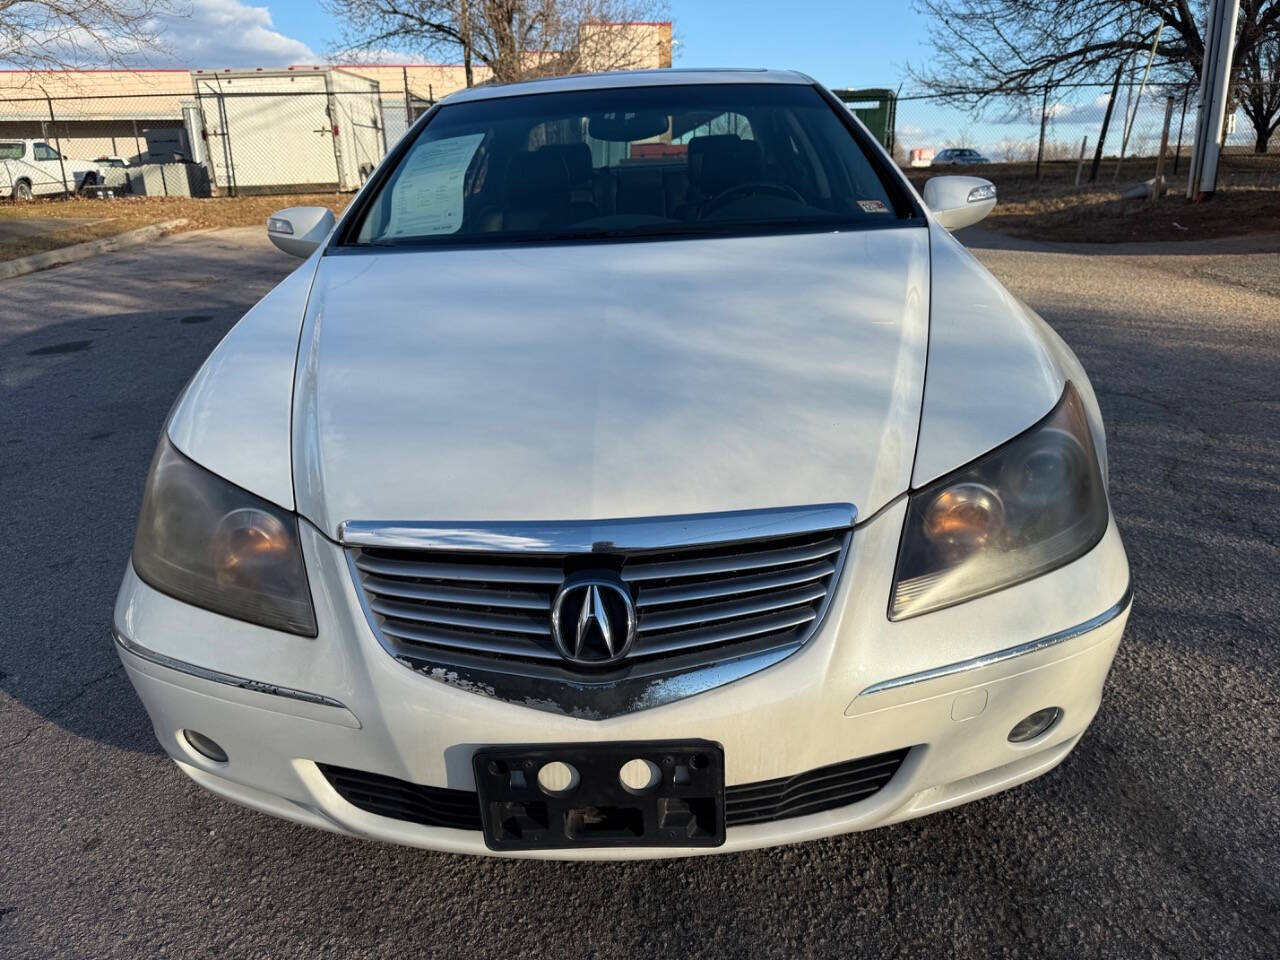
<point x="288" y="131"/>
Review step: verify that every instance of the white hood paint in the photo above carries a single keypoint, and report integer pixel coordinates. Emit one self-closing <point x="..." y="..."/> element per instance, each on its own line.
<point x="611" y="380"/>
<point x="991" y="372"/>
<point x="234" y="416"/>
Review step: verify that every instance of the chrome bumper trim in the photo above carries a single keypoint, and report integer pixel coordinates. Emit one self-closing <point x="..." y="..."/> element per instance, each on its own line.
<point x="1009" y="653"/>
<point x="216" y="676"/>
<point x="596" y="536"/>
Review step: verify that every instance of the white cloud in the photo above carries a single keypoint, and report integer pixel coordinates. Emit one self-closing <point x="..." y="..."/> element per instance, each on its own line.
<point x="226" y="33"/>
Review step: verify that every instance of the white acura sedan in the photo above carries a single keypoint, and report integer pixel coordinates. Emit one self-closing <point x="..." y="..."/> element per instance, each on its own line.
<point x="637" y="468"/>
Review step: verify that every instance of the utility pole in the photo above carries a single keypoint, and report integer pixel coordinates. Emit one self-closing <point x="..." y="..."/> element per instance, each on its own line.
<point x="1215" y="78"/>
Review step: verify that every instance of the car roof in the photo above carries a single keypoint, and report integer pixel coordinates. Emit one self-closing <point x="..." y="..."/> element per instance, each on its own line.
<point x="627" y="78"/>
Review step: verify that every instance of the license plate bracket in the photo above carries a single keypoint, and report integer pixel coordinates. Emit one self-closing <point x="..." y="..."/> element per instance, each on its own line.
<point x="683" y="808"/>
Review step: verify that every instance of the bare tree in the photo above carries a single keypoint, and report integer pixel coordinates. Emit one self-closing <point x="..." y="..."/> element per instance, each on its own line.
<point x="37" y="35"/>
<point x="985" y="49"/>
<point x="509" y="39"/>
<point x="1258" y="90"/>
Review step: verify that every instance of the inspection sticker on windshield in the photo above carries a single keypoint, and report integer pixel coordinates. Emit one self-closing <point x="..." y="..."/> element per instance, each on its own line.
<point x="873" y="206"/>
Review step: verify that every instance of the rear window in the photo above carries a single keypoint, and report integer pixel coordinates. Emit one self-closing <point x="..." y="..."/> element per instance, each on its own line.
<point x="630" y="162"/>
<point x="12" y="151"/>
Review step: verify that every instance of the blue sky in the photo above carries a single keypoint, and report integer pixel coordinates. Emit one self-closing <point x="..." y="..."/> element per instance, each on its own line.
<point x="838" y="42"/>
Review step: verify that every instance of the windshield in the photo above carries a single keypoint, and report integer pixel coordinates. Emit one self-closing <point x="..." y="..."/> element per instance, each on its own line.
<point x="634" y="161"/>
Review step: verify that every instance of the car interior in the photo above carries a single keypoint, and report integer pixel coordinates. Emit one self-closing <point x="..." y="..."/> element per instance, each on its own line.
<point x="708" y="177"/>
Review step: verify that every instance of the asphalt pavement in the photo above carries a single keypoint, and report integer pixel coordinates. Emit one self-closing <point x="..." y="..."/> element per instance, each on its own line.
<point x="1158" y="837"/>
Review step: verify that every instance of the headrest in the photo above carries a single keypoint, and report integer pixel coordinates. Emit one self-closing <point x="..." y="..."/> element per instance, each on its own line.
<point x="536" y="179"/>
<point x="722" y="161"/>
<point x="576" y="157"/>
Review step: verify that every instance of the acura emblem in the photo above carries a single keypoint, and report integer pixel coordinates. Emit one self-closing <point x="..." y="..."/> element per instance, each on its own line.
<point x="593" y="620"/>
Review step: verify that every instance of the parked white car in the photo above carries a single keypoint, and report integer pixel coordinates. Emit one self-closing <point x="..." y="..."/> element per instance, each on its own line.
<point x="638" y="468"/>
<point x="958" y="157"/>
<point x="32" y="168"/>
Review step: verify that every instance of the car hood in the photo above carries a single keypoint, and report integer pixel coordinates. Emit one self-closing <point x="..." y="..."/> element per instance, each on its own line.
<point x="602" y="381"/>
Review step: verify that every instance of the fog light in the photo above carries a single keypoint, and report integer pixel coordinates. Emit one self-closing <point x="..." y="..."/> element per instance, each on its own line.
<point x="205" y="747"/>
<point x="1028" y="728"/>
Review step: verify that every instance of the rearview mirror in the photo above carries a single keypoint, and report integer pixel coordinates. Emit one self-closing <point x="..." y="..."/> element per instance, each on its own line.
<point x="959" y="201"/>
<point x="624" y="126"/>
<point x="298" y="231"/>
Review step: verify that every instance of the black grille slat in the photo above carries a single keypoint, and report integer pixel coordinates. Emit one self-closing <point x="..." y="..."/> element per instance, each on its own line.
<point x="463" y="596"/>
<point x="449" y="571"/>
<point x="699" y="604"/>
<point x="724" y="633"/>
<point x="814" y="791"/>
<point x="704" y="566"/>
<point x="808" y="798"/>
<point x="786" y="786"/>
<point x="715" y="589"/>
<point x="466" y="619"/>
<point x="733" y="609"/>
<point x="470" y="642"/>
<point x="401" y="800"/>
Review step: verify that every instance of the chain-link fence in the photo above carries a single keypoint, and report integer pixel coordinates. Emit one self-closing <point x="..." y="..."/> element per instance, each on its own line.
<point x="1055" y="133"/>
<point x="267" y="132"/>
<point x="229" y="134"/>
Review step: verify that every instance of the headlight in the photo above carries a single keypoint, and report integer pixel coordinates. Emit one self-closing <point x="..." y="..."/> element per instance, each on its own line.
<point x="207" y="542"/>
<point x="1030" y="506"/>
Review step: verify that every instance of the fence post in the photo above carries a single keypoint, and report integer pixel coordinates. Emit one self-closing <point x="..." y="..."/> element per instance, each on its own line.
<point x="1157" y="185"/>
<point x="1084" y="145"/>
<point x="408" y="109"/>
<point x="1106" y="122"/>
<point x="1130" y="120"/>
<point x="57" y="142"/>
<point x="1177" y="154"/>
<point x="1044" y="118"/>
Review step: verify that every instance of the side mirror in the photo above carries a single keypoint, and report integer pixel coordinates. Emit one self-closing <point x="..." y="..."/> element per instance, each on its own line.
<point x="298" y="231"/>
<point x="959" y="201"/>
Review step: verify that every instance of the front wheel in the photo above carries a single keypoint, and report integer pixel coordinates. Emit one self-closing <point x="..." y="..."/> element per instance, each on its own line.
<point x="90" y="180"/>
<point x="22" y="191"/>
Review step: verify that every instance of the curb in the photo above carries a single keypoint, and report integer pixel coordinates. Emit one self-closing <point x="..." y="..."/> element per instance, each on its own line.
<point x="82" y="251"/>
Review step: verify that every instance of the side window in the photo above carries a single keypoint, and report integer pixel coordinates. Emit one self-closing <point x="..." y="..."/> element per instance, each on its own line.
<point x="42" y="151"/>
<point x="12" y="151"/>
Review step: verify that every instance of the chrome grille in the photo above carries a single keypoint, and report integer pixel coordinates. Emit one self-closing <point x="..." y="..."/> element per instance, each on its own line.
<point x="700" y="604"/>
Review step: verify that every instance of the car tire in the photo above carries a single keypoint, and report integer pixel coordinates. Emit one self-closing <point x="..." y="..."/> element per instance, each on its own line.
<point x="90" y="180"/>
<point x="22" y="191"/>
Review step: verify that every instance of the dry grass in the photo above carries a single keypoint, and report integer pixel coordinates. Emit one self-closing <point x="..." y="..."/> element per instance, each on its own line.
<point x="1053" y="208"/>
<point x="122" y="214"/>
<point x="1105" y="218"/>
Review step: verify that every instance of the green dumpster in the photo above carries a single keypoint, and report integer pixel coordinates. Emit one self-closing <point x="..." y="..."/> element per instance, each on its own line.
<point x="876" y="108"/>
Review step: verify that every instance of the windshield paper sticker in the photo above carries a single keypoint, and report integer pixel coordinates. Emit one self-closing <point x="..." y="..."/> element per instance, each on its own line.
<point x="428" y="197"/>
<point x="873" y="206"/>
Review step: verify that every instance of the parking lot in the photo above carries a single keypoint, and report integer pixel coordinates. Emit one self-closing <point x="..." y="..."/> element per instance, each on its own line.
<point x="1156" y="837"/>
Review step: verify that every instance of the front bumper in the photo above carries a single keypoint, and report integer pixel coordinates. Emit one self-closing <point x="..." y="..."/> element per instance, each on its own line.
<point x="950" y="685"/>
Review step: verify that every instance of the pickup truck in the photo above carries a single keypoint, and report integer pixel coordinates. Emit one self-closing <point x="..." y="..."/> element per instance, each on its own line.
<point x="32" y="168"/>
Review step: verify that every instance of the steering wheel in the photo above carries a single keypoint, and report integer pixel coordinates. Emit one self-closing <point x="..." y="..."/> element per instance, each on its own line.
<point x="749" y="189"/>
